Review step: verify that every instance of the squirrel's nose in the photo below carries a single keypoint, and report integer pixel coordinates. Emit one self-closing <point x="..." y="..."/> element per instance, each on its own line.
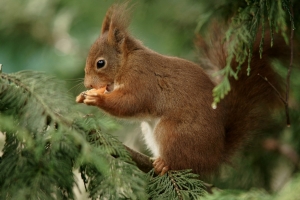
<point x="87" y="84"/>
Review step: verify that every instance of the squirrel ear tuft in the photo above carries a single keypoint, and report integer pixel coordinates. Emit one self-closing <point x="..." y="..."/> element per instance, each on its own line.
<point x="117" y="17"/>
<point x="107" y="19"/>
<point x="115" y="24"/>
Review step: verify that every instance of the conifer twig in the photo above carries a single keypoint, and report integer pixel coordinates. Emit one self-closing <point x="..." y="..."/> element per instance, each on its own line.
<point x="288" y="76"/>
<point x="274" y="88"/>
<point x="175" y="185"/>
<point x="285" y="99"/>
<point x="144" y="163"/>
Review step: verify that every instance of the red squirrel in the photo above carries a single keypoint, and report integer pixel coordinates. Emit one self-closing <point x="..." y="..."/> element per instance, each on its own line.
<point x="172" y="97"/>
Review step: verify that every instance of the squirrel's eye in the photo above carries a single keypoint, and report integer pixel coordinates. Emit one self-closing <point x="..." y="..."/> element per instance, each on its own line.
<point x="100" y="64"/>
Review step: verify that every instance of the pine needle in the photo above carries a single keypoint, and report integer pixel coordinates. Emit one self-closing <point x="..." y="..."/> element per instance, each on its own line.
<point x="46" y="140"/>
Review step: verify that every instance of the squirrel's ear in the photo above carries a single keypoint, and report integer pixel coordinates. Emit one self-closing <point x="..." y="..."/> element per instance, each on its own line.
<point x="105" y="25"/>
<point x="116" y="36"/>
<point x="117" y="16"/>
<point x="115" y="25"/>
<point x="107" y="19"/>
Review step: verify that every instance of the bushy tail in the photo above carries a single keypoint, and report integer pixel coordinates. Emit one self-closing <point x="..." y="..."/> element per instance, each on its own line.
<point x="251" y="101"/>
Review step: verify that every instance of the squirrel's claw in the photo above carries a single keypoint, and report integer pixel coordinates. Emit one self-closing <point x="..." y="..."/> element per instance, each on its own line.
<point x="80" y="98"/>
<point x="160" y="166"/>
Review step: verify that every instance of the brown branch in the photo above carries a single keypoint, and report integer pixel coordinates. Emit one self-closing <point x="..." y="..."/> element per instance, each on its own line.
<point x="288" y="76"/>
<point x="284" y="100"/>
<point x="274" y="88"/>
<point x="143" y="162"/>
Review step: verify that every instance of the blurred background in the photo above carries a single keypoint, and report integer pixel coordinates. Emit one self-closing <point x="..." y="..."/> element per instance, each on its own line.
<point x="54" y="36"/>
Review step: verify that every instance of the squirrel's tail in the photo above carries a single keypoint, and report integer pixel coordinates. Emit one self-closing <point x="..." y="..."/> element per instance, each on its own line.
<point x="252" y="99"/>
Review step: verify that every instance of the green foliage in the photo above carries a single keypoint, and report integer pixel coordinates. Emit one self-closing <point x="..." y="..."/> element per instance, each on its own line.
<point x="239" y="195"/>
<point x="115" y="184"/>
<point x="45" y="143"/>
<point x="242" y="33"/>
<point x="55" y="35"/>
<point x="289" y="192"/>
<point x="47" y="138"/>
<point x="175" y="185"/>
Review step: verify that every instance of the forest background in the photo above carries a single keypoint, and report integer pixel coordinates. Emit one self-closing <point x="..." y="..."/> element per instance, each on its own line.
<point x="54" y="36"/>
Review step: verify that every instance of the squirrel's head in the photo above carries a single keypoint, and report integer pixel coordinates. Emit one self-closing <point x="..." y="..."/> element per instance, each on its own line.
<point x="110" y="50"/>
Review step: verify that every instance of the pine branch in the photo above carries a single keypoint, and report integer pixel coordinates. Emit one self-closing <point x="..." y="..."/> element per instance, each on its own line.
<point x="288" y="76"/>
<point x="145" y="164"/>
<point x="119" y="160"/>
<point x="285" y="100"/>
<point x="175" y="185"/>
<point x="242" y="34"/>
<point x="49" y="141"/>
<point x="56" y="141"/>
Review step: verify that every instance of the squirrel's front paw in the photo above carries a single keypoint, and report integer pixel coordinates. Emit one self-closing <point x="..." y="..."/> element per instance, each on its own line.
<point x="90" y="97"/>
<point x="80" y="98"/>
<point x="160" y="166"/>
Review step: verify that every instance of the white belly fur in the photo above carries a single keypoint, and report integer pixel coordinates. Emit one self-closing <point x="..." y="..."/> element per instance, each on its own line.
<point x="148" y="128"/>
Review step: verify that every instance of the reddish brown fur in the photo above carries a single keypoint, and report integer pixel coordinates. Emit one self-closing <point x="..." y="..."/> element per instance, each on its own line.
<point x="190" y="134"/>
